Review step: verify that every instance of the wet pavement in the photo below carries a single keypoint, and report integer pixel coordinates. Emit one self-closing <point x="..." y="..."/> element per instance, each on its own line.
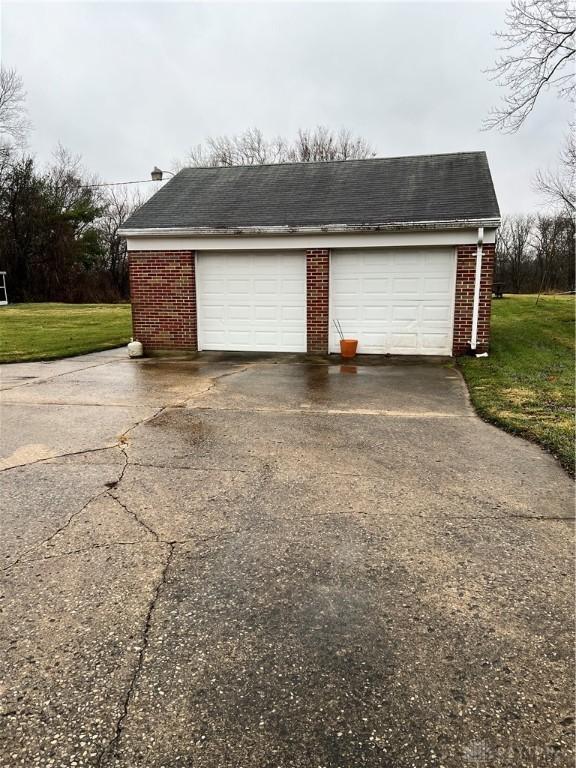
<point x="251" y="562"/>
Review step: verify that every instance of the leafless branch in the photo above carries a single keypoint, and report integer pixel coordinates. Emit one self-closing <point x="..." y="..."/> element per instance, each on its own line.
<point x="251" y="148"/>
<point x="14" y="123"/>
<point x="558" y="186"/>
<point x="537" y="54"/>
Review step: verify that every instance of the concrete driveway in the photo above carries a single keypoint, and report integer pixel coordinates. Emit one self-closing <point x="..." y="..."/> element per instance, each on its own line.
<point x="259" y="563"/>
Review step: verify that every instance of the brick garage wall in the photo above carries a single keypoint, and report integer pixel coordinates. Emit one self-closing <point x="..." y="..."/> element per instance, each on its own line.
<point x="317" y="289"/>
<point x="163" y="292"/>
<point x="465" y="275"/>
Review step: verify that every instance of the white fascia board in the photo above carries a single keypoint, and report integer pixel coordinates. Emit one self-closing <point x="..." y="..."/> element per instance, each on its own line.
<point x="391" y="226"/>
<point x="167" y="242"/>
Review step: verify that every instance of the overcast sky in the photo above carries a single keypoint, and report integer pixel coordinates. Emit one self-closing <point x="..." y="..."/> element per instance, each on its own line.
<point x="132" y="84"/>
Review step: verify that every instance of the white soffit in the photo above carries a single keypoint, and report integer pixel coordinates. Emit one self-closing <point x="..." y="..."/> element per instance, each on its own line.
<point x="451" y="237"/>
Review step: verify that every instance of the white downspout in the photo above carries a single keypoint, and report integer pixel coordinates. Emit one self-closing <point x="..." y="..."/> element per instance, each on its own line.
<point x="477" y="279"/>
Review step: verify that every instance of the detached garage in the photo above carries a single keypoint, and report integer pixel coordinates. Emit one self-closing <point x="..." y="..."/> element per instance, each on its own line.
<point x="399" y="251"/>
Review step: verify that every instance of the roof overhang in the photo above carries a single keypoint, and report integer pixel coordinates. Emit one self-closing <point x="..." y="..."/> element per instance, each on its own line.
<point x="396" y="226"/>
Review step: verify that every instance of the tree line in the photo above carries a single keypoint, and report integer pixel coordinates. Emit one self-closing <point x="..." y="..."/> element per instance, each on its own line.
<point x="59" y="235"/>
<point x="535" y="254"/>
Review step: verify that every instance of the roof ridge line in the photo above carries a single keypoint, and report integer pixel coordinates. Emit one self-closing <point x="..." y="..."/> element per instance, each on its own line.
<point x="329" y="162"/>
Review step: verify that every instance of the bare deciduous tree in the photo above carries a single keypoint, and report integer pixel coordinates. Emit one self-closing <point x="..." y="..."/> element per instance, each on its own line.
<point x="553" y="248"/>
<point x="536" y="54"/>
<point x="322" y="144"/>
<point x="558" y="187"/>
<point x="117" y="203"/>
<point x="251" y="148"/>
<point x="513" y="251"/>
<point x="14" y="124"/>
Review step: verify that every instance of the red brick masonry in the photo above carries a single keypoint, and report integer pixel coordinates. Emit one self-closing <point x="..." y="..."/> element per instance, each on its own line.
<point x="163" y="291"/>
<point x="465" y="274"/>
<point x="317" y="289"/>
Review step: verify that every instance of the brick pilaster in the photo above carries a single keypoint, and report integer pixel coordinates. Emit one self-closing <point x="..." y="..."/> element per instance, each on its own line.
<point x="317" y="289"/>
<point x="163" y="292"/>
<point x="464" y="300"/>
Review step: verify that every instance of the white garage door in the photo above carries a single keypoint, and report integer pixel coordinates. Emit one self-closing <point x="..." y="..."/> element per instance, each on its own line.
<point x="251" y="301"/>
<point x="394" y="301"/>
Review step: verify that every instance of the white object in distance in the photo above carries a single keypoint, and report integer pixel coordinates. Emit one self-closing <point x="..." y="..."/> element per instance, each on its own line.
<point x="135" y="349"/>
<point x="3" y="291"/>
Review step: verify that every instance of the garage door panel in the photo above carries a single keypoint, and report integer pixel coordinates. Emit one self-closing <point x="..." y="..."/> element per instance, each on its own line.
<point x="237" y="287"/>
<point x="266" y="313"/>
<point x="265" y="287"/>
<point x="349" y="261"/>
<point x="439" y="313"/>
<point x="376" y="285"/>
<point x="290" y="314"/>
<point x="348" y="314"/>
<point x="376" y="312"/>
<point x="405" y="341"/>
<point x="406" y="312"/>
<point x="434" y="260"/>
<point x="213" y="287"/>
<point x="397" y="301"/>
<point x="252" y="301"/>
<point x="346" y="286"/>
<point x="437" y="286"/>
<point x="406" y="286"/>
<point x="373" y="341"/>
<point x="291" y="290"/>
<point x="262" y="337"/>
<point x="411" y="261"/>
<point x="215" y="312"/>
<point x="236" y="312"/>
<point x="212" y="337"/>
<point x="434" y="340"/>
<point x="292" y="339"/>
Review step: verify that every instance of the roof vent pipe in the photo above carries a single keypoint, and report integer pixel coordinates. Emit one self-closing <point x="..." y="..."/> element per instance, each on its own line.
<point x="477" y="279"/>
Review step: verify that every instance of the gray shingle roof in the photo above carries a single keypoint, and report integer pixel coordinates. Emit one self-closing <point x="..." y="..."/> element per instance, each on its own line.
<point x="378" y="191"/>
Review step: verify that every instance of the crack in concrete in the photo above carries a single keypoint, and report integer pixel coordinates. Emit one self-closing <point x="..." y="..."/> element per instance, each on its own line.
<point x="55" y="533"/>
<point x="108" y="749"/>
<point x="64" y="526"/>
<point x="82" y="550"/>
<point x="53" y="459"/>
<point x="158" y="541"/>
<point x="77" y="404"/>
<point x="122" y="439"/>
<point x="120" y="445"/>
<point x="133" y="514"/>
<point x="189" y="468"/>
<point x="476" y="518"/>
<point x="42" y="380"/>
<point x="263" y="524"/>
<point x="413" y="415"/>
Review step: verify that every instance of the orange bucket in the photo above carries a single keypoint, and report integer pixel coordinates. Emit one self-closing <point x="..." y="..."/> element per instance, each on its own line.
<point x="348" y="347"/>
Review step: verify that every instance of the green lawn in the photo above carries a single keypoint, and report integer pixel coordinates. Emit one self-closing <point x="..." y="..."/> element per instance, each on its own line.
<point x="526" y="385"/>
<point x="47" y="331"/>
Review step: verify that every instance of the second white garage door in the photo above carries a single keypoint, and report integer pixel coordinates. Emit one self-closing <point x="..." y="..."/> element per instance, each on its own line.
<point x="253" y="302"/>
<point x="394" y="301"/>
